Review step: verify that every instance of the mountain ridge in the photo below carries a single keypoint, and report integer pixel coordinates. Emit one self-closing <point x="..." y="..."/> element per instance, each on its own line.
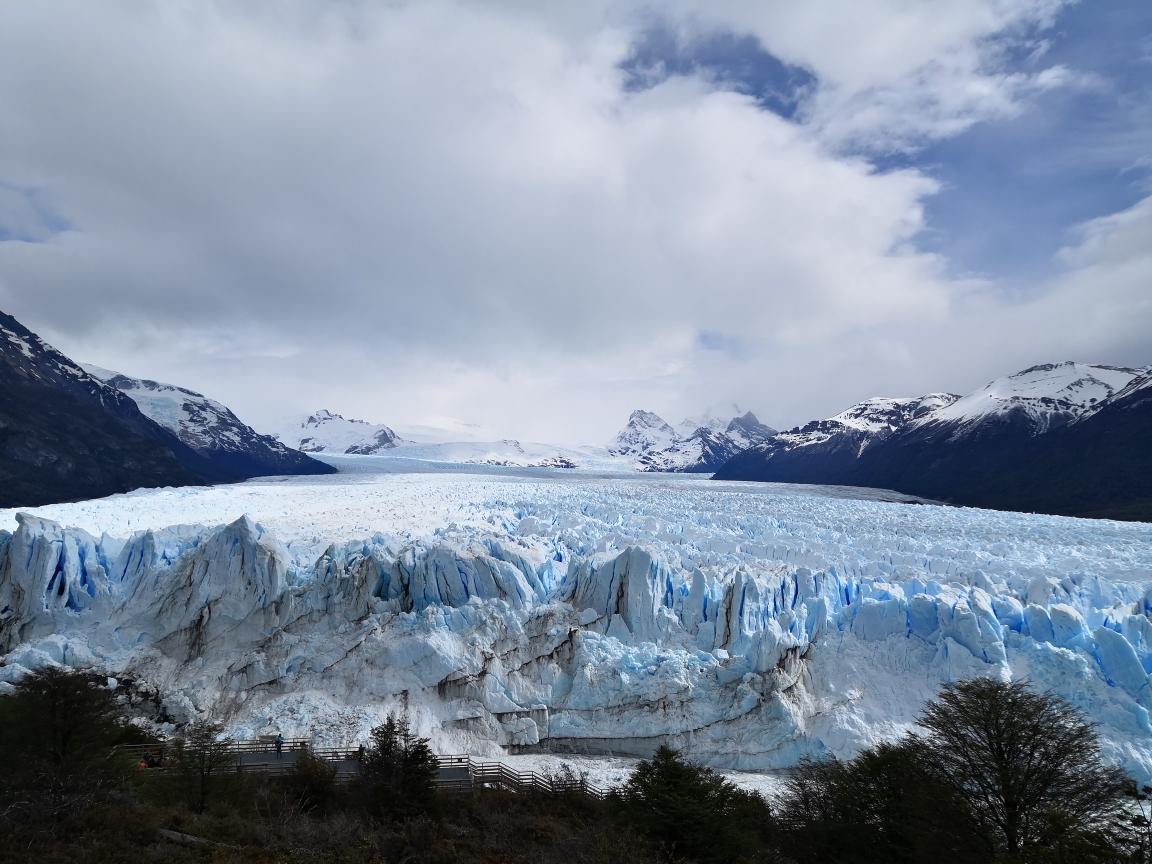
<point x="1028" y="441"/>
<point x="210" y="428"/>
<point x="655" y="445"/>
<point x="64" y="436"/>
<point x="326" y="432"/>
<point x="67" y="435"/>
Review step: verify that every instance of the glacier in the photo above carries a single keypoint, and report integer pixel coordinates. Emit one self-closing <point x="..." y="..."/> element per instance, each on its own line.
<point x="566" y="611"/>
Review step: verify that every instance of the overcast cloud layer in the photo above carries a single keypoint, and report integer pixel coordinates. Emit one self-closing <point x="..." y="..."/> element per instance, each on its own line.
<point x="487" y="217"/>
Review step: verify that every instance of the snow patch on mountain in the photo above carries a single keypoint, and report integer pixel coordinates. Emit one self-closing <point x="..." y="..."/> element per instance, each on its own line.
<point x="1141" y="382"/>
<point x="1044" y="397"/>
<point x="695" y="445"/>
<point x="644" y="433"/>
<point x="207" y="426"/>
<point x="198" y="421"/>
<point x="48" y="365"/>
<point x="1048" y="396"/>
<point x="746" y="627"/>
<point x="325" y="432"/>
<point x="864" y="421"/>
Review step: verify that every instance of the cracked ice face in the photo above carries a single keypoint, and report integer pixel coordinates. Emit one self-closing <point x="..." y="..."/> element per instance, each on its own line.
<point x="750" y="624"/>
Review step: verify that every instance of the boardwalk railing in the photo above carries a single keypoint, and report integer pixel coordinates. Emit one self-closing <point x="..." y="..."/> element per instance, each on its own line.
<point x="465" y="774"/>
<point x="457" y="773"/>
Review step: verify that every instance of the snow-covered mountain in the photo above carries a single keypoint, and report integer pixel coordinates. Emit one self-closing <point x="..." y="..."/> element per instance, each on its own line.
<point x="209" y="428"/>
<point x="325" y="432"/>
<point x="507" y="452"/>
<point x="1038" y="399"/>
<point x="695" y="445"/>
<point x="644" y="433"/>
<point x="65" y="435"/>
<point x="863" y="422"/>
<point x="588" y="616"/>
<point x="331" y="436"/>
<point x="957" y="449"/>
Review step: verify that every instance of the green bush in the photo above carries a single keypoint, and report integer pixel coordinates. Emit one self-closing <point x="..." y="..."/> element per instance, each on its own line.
<point x="1000" y="773"/>
<point x="58" y="731"/>
<point x="692" y="812"/>
<point x="398" y="771"/>
<point x="881" y="806"/>
<point x="311" y="782"/>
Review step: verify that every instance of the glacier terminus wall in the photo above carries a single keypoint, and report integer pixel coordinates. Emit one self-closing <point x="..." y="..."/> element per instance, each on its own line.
<point x="593" y="616"/>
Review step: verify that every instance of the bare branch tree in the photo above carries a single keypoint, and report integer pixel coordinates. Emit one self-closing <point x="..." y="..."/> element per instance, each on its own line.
<point x="202" y="757"/>
<point x="1026" y="762"/>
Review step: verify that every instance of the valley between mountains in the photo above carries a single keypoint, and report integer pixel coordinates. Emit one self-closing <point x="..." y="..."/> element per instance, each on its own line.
<point x="746" y="595"/>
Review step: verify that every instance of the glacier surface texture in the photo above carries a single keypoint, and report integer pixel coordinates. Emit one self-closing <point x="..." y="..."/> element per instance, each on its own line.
<point x="749" y="624"/>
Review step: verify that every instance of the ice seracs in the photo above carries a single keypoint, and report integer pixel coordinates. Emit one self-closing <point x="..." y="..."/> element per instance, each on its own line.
<point x="582" y="615"/>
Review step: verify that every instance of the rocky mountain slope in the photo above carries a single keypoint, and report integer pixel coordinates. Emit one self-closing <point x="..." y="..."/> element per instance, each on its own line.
<point x="696" y="446"/>
<point x="65" y="436"/>
<point x="236" y="450"/>
<point x="1065" y="438"/>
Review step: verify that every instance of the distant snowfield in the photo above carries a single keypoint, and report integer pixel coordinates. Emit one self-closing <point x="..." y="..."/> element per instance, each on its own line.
<point x="407" y="497"/>
<point x="582" y="611"/>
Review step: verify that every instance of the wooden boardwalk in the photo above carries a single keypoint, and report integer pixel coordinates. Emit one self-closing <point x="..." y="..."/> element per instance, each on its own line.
<point x="458" y="773"/>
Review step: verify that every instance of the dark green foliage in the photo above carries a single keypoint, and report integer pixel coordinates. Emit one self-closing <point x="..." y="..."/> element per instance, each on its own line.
<point x="1003" y="773"/>
<point x="881" y="806"/>
<point x="1027" y="766"/>
<point x="989" y="750"/>
<point x="692" y="812"/>
<point x="57" y="733"/>
<point x="311" y="782"/>
<point x="491" y="828"/>
<point x="398" y="770"/>
<point x="1139" y="827"/>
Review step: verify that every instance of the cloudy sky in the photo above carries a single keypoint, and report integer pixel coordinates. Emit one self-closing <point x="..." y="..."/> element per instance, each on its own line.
<point x="515" y="218"/>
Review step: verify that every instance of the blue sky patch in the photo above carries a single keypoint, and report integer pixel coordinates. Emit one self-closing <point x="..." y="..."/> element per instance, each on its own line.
<point x="25" y="216"/>
<point x="1015" y="189"/>
<point x="733" y="62"/>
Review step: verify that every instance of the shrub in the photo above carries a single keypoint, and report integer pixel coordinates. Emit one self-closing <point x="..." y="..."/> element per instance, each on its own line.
<point x="398" y="770"/>
<point x="311" y="782"/>
<point x="204" y="762"/>
<point x="58" y="729"/>
<point x="691" y="811"/>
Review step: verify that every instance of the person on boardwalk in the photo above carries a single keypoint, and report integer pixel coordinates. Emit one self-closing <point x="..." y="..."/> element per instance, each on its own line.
<point x="279" y="746"/>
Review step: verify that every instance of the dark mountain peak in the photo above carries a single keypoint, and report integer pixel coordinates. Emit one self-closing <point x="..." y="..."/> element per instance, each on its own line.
<point x="65" y="436"/>
<point x="749" y="430"/>
<point x="1066" y="438"/>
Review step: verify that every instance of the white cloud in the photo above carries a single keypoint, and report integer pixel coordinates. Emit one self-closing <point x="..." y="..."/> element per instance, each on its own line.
<point x="410" y="212"/>
<point x="892" y="73"/>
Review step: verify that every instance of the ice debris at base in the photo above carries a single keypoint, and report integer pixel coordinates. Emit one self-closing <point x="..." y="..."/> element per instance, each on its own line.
<point x="579" y="614"/>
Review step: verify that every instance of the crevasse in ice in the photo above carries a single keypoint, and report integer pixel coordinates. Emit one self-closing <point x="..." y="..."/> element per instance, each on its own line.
<point x="748" y="629"/>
